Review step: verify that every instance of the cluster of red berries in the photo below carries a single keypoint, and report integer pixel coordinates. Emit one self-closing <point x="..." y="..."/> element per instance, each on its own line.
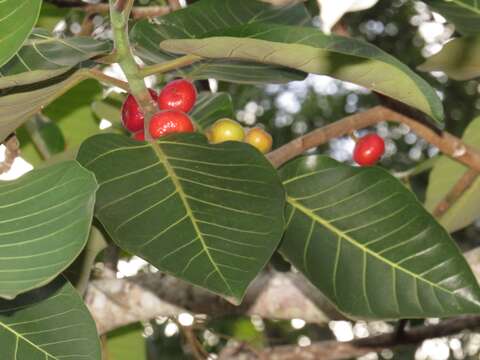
<point x="178" y="97"/>
<point x="230" y="130"/>
<point x="368" y="150"/>
<point x="175" y="100"/>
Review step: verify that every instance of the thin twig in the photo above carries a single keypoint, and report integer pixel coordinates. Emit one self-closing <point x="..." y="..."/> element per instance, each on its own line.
<point x="335" y="350"/>
<point x="447" y="143"/>
<point x="462" y="185"/>
<point x="33" y="129"/>
<point x="100" y="76"/>
<point x="197" y="349"/>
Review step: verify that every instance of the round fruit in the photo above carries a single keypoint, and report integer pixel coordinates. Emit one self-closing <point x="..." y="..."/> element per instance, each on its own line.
<point x="132" y="116"/>
<point x="178" y="95"/>
<point x="260" y="139"/>
<point x="226" y="130"/>
<point x="140" y="135"/>
<point x="170" y="121"/>
<point x="368" y="150"/>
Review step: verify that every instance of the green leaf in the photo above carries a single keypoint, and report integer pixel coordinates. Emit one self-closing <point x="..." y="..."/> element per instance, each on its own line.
<point x="366" y="242"/>
<point x="459" y="59"/>
<point x="211" y="107"/>
<point x="444" y="176"/>
<point x="51" y="323"/>
<point x="464" y="14"/>
<point x="16" y="22"/>
<point x="209" y="214"/>
<point x="206" y="16"/>
<point x="20" y="103"/>
<point x="309" y="50"/>
<point x="127" y="343"/>
<point x="45" y="219"/>
<point x="44" y="57"/>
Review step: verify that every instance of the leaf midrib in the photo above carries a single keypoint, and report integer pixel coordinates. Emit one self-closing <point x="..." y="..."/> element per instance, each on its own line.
<point x="183" y="197"/>
<point x="343" y="235"/>
<point x="20" y="336"/>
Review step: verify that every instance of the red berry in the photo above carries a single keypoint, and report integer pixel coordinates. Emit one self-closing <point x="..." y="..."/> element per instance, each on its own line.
<point x="178" y="95"/>
<point x="170" y="121"/>
<point x="140" y="136"/>
<point x="368" y="150"/>
<point x="132" y="116"/>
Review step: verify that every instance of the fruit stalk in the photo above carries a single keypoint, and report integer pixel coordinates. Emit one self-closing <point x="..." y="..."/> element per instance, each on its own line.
<point x="119" y="18"/>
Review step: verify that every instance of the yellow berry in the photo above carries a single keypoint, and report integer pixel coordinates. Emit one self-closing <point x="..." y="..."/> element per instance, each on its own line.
<point x="225" y="130"/>
<point x="259" y="138"/>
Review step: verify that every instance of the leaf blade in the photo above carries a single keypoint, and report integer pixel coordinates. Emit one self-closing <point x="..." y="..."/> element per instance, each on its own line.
<point x="310" y="51"/>
<point x="351" y="229"/>
<point x="45" y="217"/>
<point x="206" y="16"/>
<point x="191" y="209"/>
<point x="16" y="23"/>
<point x="22" y="102"/>
<point x="459" y="59"/>
<point x="48" y="323"/>
<point x="44" y="57"/>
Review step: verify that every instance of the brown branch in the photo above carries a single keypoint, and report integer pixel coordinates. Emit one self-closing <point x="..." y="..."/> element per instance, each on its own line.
<point x="335" y="350"/>
<point x="12" y="151"/>
<point x="462" y="185"/>
<point x="119" y="302"/>
<point x="447" y="143"/>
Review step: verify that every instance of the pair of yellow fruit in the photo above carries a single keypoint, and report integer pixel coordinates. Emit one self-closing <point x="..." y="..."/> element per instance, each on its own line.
<point x="230" y="130"/>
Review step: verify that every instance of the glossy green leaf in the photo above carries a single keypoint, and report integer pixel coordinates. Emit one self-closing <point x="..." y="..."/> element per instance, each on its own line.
<point x="209" y="214"/>
<point x="45" y="219"/>
<point x="464" y="14"/>
<point x="17" y="18"/>
<point x="459" y="59"/>
<point x="20" y="103"/>
<point x="44" y="57"/>
<point x="366" y="242"/>
<point x="209" y="15"/>
<point x="445" y="175"/>
<point x="211" y="107"/>
<point x="51" y="323"/>
<point x="309" y="50"/>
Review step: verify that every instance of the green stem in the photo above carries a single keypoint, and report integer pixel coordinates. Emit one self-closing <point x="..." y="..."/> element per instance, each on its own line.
<point x="169" y="65"/>
<point x="119" y="16"/>
<point x="39" y="143"/>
